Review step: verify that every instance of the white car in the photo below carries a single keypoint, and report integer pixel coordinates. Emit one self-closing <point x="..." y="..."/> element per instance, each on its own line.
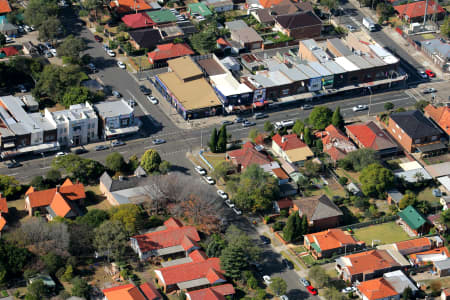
<point x="61" y="154"/>
<point x="229" y="203"/>
<point x="284" y="297"/>
<point x="9" y="40"/>
<point x="267" y="279"/>
<point x="28" y="28"/>
<point x="222" y="194"/>
<point x="349" y="289"/>
<point x="152" y="99"/>
<point x="117" y="143"/>
<point x="423" y="74"/>
<point x="237" y="211"/>
<point x="121" y="65"/>
<point x="53" y="51"/>
<point x="360" y="107"/>
<point x="111" y="53"/>
<point x="209" y="180"/>
<point x="200" y="170"/>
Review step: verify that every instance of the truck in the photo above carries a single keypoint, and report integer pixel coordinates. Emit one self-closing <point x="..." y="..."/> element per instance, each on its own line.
<point x="283" y="124"/>
<point x="369" y="24"/>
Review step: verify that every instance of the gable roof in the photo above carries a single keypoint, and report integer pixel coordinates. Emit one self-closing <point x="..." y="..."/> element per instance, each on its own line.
<point x="246" y="35"/>
<point x="146" y="38"/>
<point x="440" y="115"/>
<point x="297" y="20"/>
<point x="248" y="155"/>
<point x="125" y="6"/>
<point x="378" y="288"/>
<point x="199" y="8"/>
<point x="405" y="247"/>
<point x="269" y="3"/>
<point x="414" y="124"/>
<point x="4" y="7"/>
<point x="368" y="261"/>
<point x="288" y="142"/>
<point x="371" y="136"/>
<point x="417" y="9"/>
<point x="60" y="206"/>
<point x="138" y="20"/>
<point x="162" y="16"/>
<point x="412" y="217"/>
<point x="167" y="51"/>
<point x="331" y="239"/>
<point x="217" y="292"/>
<point x="9" y="51"/>
<point x="317" y="207"/>
<point x="2" y="222"/>
<point x="335" y="143"/>
<point x="145" y="291"/>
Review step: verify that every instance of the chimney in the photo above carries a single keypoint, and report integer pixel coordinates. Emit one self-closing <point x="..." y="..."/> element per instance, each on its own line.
<point x="57" y="188"/>
<point x="283" y="139"/>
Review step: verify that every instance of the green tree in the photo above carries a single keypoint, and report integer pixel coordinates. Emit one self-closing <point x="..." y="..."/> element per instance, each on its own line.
<point x="359" y="159"/>
<point x="375" y="179"/>
<point x="222" y="169"/>
<point x="278" y="286"/>
<point x="233" y="260"/>
<point x="10" y="187"/>
<point x="408" y="199"/>
<point x="2" y="40"/>
<point x="215" y="246"/>
<point x="408" y="294"/>
<point x="36" y="290"/>
<point x="298" y="128"/>
<point x="320" y="117"/>
<point x="53" y="176"/>
<point x="329" y="4"/>
<point x="204" y="41"/>
<point x="52" y="262"/>
<point x="164" y="167"/>
<point x="268" y="126"/>
<point x="80" y="287"/>
<point x="312" y="168"/>
<point x="213" y="141"/>
<point x="336" y="119"/>
<point x="445" y="217"/>
<point x="129" y="216"/>
<point x="68" y="274"/>
<point x="93" y="218"/>
<point x="115" y="162"/>
<point x="445" y="27"/>
<point x="76" y="95"/>
<point x="111" y="239"/>
<point x="421" y="104"/>
<point x="38" y="11"/>
<point x="289" y="229"/>
<point x="13" y="259"/>
<point x="307" y="136"/>
<point x="150" y="161"/>
<point x="49" y="29"/>
<point x="319" y="276"/>
<point x="333" y="293"/>
<point x="38" y="182"/>
<point x="222" y="139"/>
<point x="133" y="163"/>
<point x="253" y="134"/>
<point x="83" y="169"/>
<point x="389" y="106"/>
<point x="304" y="225"/>
<point x="71" y="47"/>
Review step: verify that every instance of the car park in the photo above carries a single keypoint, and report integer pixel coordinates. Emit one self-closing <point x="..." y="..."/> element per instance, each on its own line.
<point x="237" y="211"/>
<point x="116" y="94"/>
<point x="264" y="239"/>
<point x="158" y="141"/>
<point x="200" y="170"/>
<point x="305" y="282"/>
<point x="117" y="143"/>
<point x="209" y="180"/>
<point x="101" y="147"/>
<point x="222" y="194"/>
<point x="288" y="264"/>
<point x="13" y="164"/>
<point x="248" y="123"/>
<point x="311" y="290"/>
<point x="98" y="38"/>
<point x="307" y="107"/>
<point x="267" y="279"/>
<point x="121" y="65"/>
<point x="360" y="107"/>
<point x="349" y="289"/>
<point x="61" y="154"/>
<point x="229" y="203"/>
<point x="145" y="90"/>
<point x="152" y="99"/>
<point x="429" y="90"/>
<point x="111" y="53"/>
<point x="430" y="73"/>
<point x="227" y="122"/>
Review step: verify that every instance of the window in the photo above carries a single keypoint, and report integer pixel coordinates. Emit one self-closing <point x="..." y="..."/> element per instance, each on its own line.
<point x="417" y="141"/>
<point x="285" y="92"/>
<point x="396" y="125"/>
<point x="399" y="136"/>
<point x="65" y="130"/>
<point x="393" y="130"/>
<point x="434" y="137"/>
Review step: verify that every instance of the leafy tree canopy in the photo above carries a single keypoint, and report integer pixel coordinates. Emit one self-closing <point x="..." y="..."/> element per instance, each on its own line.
<point x="320" y="117"/>
<point x="375" y="180"/>
<point x="150" y="161"/>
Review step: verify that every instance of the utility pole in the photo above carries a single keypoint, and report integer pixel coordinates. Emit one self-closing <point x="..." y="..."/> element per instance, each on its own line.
<point x="370" y="100"/>
<point x="426" y="11"/>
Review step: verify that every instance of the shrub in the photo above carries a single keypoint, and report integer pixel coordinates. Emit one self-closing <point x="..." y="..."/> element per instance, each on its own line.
<point x="343" y="180"/>
<point x="278" y="226"/>
<point x="99" y="28"/>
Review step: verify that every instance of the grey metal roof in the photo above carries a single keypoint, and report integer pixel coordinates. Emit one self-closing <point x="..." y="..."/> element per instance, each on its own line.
<point x="374" y="61"/>
<point x="432" y="46"/>
<point x="443" y="264"/>
<point x="333" y="67"/>
<point x="395" y="195"/>
<point x="169" y="250"/>
<point x="340" y="46"/>
<point x="359" y="61"/>
<point x="412" y="176"/>
<point x="193" y="283"/>
<point x="108" y="109"/>
<point x="319" y="68"/>
<point x="140" y="172"/>
<point x="176" y="262"/>
<point x="308" y="71"/>
<point x="106" y="180"/>
<point x="234" y="25"/>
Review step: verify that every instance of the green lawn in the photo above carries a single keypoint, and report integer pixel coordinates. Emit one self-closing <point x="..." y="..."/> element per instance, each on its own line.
<point x="386" y="233"/>
<point x="352" y="176"/>
<point x="214" y="158"/>
<point x="428" y="36"/>
<point x="308" y="259"/>
<point x="428" y="196"/>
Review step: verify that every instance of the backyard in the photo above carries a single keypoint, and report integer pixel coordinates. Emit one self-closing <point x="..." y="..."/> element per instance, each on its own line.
<point x="385" y="233"/>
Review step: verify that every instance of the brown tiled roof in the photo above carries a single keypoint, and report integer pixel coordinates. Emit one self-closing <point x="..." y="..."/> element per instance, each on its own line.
<point x="298" y="20"/>
<point x="317" y="207"/>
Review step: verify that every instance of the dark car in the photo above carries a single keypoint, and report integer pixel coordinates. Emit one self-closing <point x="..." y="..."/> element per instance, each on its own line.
<point x="288" y="264"/>
<point x="239" y="120"/>
<point x="81" y="151"/>
<point x="227" y="122"/>
<point x="101" y="147"/>
<point x="98" y="38"/>
<point x="145" y="90"/>
<point x="264" y="239"/>
<point x="13" y="164"/>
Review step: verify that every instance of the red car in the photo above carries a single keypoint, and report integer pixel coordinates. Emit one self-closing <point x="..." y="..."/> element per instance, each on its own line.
<point x="430" y="73"/>
<point x="98" y="38"/>
<point x="311" y="290"/>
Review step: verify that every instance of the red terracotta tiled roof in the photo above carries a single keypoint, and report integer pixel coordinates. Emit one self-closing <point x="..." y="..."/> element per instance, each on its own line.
<point x="217" y="292"/>
<point x="197" y="256"/>
<point x="440" y="115"/>
<point x="409" y="244"/>
<point x="221" y="41"/>
<point x="370" y="261"/>
<point x="9" y="51"/>
<point x="60" y="206"/>
<point x="139" y="20"/>
<point x="3" y="205"/>
<point x="377" y="289"/>
<point x="333" y="133"/>
<point x="331" y="239"/>
<point x="150" y="291"/>
<point x="126" y="6"/>
<point x="2" y="222"/>
<point x="68" y="191"/>
<point x="288" y="142"/>
<point x="173" y="223"/>
<point x="417" y="9"/>
<point x="167" y="51"/>
<point x="284" y="203"/>
<point x="441" y="250"/>
<point x="248" y="156"/>
<point x="280" y="173"/>
<point x="269" y="3"/>
<point x="145" y="291"/>
<point x="370" y="136"/>
<point x="209" y="269"/>
<point x="4" y="7"/>
<point x="335" y="143"/>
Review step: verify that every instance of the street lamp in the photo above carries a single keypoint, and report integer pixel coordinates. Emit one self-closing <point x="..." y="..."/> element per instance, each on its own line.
<point x="370" y="100"/>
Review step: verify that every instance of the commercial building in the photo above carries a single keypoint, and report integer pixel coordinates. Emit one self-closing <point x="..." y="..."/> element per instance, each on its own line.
<point x="439" y="52"/>
<point x="186" y="89"/>
<point x="116" y="119"/>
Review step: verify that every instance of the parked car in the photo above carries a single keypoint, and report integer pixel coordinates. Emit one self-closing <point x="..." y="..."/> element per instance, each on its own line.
<point x="260" y="115"/>
<point x="101" y="147"/>
<point x="53" y="52"/>
<point x="307" y="107"/>
<point x="237" y="211"/>
<point x="98" y="38"/>
<point x="267" y="279"/>
<point x="9" y="40"/>
<point x="116" y="94"/>
<point x="61" y="154"/>
<point x="28" y="28"/>
<point x="117" y="143"/>
<point x="227" y="122"/>
<point x="13" y="164"/>
<point x="80" y="151"/>
<point x="48" y="54"/>
<point x="229" y="203"/>
<point x="121" y="65"/>
<point x="311" y="290"/>
<point x="429" y="90"/>
<point x="288" y="264"/>
<point x="111" y="53"/>
<point x="422" y="74"/>
<point x="158" y="141"/>
<point x="284" y="297"/>
<point x="200" y="170"/>
<point x="350" y="28"/>
<point x="222" y="194"/>
<point x="349" y="289"/>
<point x="264" y="239"/>
<point x="248" y="124"/>
<point x="209" y="180"/>
<point x="239" y="120"/>
<point x="22" y="88"/>
<point x="305" y="282"/>
<point x="152" y="99"/>
<point x="430" y="73"/>
<point x="145" y="90"/>
<point x="20" y="29"/>
<point x="360" y="107"/>
<point x="92" y="67"/>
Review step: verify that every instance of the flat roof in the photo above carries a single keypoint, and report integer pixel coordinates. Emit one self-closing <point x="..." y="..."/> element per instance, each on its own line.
<point x="228" y="85"/>
<point x="184" y="67"/>
<point x="161" y="16"/>
<point x="360" y="62"/>
<point x="373" y="60"/>
<point x="211" y="66"/>
<point x="319" y="68"/>
<point x="193" y="94"/>
<point x="292" y="73"/>
<point x="307" y="70"/>
<point x="340" y="46"/>
<point x="109" y="109"/>
<point x="346" y="64"/>
<point x="333" y="67"/>
<point x="271" y="78"/>
<point x="236" y="24"/>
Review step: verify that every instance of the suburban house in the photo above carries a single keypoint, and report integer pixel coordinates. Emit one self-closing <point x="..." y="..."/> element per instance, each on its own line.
<point x="285" y="7"/>
<point x="394" y="196"/>
<point x="440" y="115"/>
<point x="164" y="52"/>
<point x="413" y="222"/>
<point x="300" y="25"/>
<point x="415" y="133"/>
<point x="63" y="201"/>
<point x="3" y="211"/>
<point x="366" y="265"/>
<point x="291" y="149"/>
<point x="199" y="8"/>
<point x="202" y="273"/>
<point x="413" y="246"/>
<point x="217" y="292"/>
<point x="130" y="6"/>
<point x="445" y="202"/>
<point x="139" y="20"/>
<point x="246" y="156"/>
<point x="247" y="38"/>
<point x="116" y="118"/>
<point x="369" y="135"/>
<point x="127" y="189"/>
<point x="439" y="52"/>
<point x="5" y="8"/>
<point x="274" y="169"/>
<point x="162" y="16"/>
<point x="220" y="5"/>
<point x="174" y="239"/>
<point x="415" y="11"/>
<point x="335" y="143"/>
<point x="442" y="267"/>
<point x="390" y="286"/>
<point x="145" y="38"/>
<point x="327" y="243"/>
<point x="320" y="211"/>
<point x="429" y="256"/>
<point x="144" y="291"/>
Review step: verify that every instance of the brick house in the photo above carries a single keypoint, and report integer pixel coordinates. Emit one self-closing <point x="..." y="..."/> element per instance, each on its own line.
<point x="290" y="148"/>
<point x="335" y="143"/>
<point x="388" y="287"/>
<point x="320" y="211"/>
<point x="3" y="211"/>
<point x="440" y="115"/>
<point x="415" y="133"/>
<point x="369" y="135"/>
<point x="413" y="246"/>
<point x="327" y="243"/>
<point x="246" y="156"/>
<point x="145" y="291"/>
<point x="218" y="292"/>
<point x="413" y="222"/>
<point x="164" y="52"/>
<point x="301" y="25"/>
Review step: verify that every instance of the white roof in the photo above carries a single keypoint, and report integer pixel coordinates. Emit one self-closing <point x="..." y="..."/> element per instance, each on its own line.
<point x="399" y="281"/>
<point x="346" y="64"/>
<point x="412" y="165"/>
<point x="445" y="181"/>
<point x="385" y="55"/>
<point x="228" y="85"/>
